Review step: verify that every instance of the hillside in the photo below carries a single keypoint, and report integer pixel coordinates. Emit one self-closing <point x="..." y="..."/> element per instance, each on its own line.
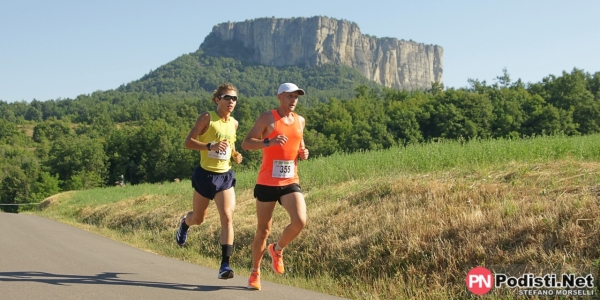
<point x="330" y="57"/>
<point x="199" y="71"/>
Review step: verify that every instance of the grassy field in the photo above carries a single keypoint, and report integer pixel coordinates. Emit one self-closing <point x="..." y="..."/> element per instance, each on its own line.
<point x="404" y="223"/>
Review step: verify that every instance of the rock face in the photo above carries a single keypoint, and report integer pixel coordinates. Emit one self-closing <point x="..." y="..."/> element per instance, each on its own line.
<point x="315" y="41"/>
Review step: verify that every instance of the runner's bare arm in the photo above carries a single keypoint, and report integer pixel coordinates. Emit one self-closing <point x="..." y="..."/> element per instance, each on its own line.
<point x="253" y="140"/>
<point x="199" y="128"/>
<point x="303" y="152"/>
<point x="237" y="157"/>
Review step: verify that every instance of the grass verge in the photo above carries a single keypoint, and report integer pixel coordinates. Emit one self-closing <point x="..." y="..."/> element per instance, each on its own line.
<point x="403" y="223"/>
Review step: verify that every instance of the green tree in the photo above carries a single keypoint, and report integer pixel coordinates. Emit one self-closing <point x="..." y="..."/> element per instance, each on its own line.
<point x="33" y="114"/>
<point x="504" y="80"/>
<point x="319" y="144"/>
<point x="50" y="130"/>
<point x="154" y="152"/>
<point x="7" y="131"/>
<point x="45" y="186"/>
<point x="403" y="123"/>
<point x="332" y="120"/>
<point x="20" y="170"/>
<point x="508" y="114"/>
<point x="83" y="180"/>
<point x="570" y="92"/>
<point x="70" y="156"/>
<point x="459" y="114"/>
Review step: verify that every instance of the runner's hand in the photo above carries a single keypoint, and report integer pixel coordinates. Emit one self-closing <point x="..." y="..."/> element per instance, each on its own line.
<point x="237" y="157"/>
<point x="303" y="153"/>
<point x="221" y="146"/>
<point x="278" y="140"/>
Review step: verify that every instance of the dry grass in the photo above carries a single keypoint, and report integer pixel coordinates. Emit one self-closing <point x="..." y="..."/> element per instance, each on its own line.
<point x="55" y="199"/>
<point x="414" y="236"/>
<point x="27" y="129"/>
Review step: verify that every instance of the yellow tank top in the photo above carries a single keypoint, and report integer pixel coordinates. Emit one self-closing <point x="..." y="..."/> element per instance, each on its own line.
<point x="218" y="130"/>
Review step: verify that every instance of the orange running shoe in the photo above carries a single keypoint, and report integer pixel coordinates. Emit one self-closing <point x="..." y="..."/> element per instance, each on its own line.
<point x="276" y="259"/>
<point x="254" y="281"/>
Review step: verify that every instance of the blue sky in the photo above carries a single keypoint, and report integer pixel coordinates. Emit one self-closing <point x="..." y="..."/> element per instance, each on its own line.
<point x="52" y="49"/>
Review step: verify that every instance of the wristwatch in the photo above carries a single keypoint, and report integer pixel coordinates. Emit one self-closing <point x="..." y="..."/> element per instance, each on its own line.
<point x="208" y="146"/>
<point x="266" y="141"/>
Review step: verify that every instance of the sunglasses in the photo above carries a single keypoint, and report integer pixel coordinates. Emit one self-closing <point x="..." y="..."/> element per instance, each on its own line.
<point x="228" y="97"/>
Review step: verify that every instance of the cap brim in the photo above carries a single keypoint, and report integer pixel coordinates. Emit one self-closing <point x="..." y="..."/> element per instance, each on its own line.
<point x="300" y="92"/>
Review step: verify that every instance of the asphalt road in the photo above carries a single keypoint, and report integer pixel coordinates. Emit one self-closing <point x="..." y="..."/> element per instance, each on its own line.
<point x="45" y="259"/>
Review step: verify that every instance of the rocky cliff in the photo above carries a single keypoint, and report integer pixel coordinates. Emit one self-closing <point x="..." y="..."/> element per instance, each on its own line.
<point x="320" y="40"/>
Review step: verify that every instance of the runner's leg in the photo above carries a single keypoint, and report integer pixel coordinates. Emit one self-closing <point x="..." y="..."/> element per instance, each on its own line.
<point x="225" y="201"/>
<point x="296" y="207"/>
<point x="264" y="214"/>
<point x="198" y="214"/>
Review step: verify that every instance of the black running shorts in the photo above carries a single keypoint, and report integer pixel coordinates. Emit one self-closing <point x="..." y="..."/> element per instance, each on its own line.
<point x="265" y="193"/>
<point x="208" y="183"/>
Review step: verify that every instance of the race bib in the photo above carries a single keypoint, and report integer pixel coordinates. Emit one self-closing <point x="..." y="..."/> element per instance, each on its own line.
<point x="218" y="154"/>
<point x="283" y="169"/>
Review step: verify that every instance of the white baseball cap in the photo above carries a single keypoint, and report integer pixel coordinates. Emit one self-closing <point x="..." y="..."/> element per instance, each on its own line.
<point x="290" y="87"/>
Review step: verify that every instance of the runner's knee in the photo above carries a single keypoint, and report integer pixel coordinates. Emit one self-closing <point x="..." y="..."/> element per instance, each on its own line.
<point x="226" y="219"/>
<point x="299" y="223"/>
<point x="263" y="231"/>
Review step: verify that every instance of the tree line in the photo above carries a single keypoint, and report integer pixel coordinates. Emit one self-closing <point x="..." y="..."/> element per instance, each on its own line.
<point x="69" y="144"/>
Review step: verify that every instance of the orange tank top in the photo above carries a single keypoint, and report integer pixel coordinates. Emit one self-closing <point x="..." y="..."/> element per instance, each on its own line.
<point x="279" y="163"/>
